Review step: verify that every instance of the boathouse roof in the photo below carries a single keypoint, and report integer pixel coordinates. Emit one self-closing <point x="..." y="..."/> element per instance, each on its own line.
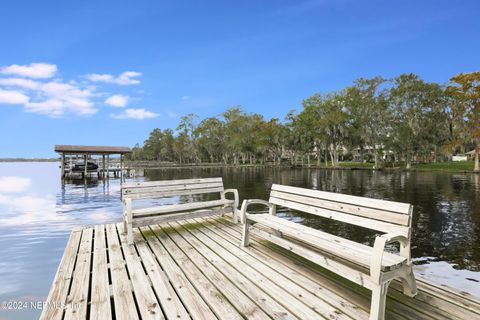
<point x="61" y="148"/>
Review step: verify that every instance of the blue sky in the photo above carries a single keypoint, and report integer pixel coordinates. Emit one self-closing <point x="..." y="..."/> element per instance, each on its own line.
<point x="108" y="72"/>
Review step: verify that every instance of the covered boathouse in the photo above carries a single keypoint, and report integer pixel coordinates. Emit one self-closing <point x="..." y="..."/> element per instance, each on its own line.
<point x="81" y="160"/>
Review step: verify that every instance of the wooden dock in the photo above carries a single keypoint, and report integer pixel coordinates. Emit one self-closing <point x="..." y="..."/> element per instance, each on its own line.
<point x="195" y="269"/>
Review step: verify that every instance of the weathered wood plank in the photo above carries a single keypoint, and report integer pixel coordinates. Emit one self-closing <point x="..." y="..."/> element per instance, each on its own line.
<point x="298" y="300"/>
<point x="170" y="208"/>
<point x="100" y="297"/>
<point x="417" y="308"/>
<point x="77" y="301"/>
<point x="217" y="301"/>
<point x="124" y="302"/>
<point x="351" y="292"/>
<point x="281" y="273"/>
<point x="170" y="182"/>
<point x="329" y="263"/>
<point x="164" y="218"/>
<point x="452" y="306"/>
<point x="147" y="303"/>
<point x="346" y="218"/>
<point x="197" y="270"/>
<point x="61" y="283"/>
<point x="154" y="194"/>
<point x="346" y="249"/>
<point x="171" y="304"/>
<point x="194" y="188"/>
<point x="403" y="208"/>
<point x="347" y="208"/>
<point x="237" y="289"/>
<point x="191" y="298"/>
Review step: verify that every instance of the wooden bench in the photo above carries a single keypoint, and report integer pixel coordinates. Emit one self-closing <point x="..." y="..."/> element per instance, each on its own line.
<point x="368" y="266"/>
<point x="175" y="212"/>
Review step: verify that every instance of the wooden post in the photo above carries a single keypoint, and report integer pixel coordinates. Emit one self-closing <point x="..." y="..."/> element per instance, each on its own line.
<point x="71" y="166"/>
<point x="108" y="166"/>
<point x="121" y="168"/>
<point x="103" y="166"/>
<point x="85" y="162"/>
<point x="62" y="165"/>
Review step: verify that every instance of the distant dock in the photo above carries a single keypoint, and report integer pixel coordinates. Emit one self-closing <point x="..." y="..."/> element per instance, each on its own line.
<point x="195" y="269"/>
<point x="84" y="161"/>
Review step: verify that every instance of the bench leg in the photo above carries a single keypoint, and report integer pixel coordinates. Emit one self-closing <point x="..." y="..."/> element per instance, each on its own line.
<point x="379" y="297"/>
<point x="235" y="216"/>
<point x="245" y="234"/>
<point x="129" y="234"/>
<point x="409" y="284"/>
<point x="125" y="224"/>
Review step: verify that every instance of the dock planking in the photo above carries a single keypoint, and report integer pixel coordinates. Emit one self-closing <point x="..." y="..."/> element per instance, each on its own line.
<point x="195" y="269"/>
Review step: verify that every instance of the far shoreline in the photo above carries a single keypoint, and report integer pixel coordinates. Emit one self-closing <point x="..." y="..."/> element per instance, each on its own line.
<point x="29" y="160"/>
<point x="452" y="167"/>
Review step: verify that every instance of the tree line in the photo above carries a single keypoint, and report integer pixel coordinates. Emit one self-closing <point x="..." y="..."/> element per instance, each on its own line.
<point x="399" y="120"/>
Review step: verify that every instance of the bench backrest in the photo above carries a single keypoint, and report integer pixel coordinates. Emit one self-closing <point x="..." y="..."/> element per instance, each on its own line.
<point x="380" y="215"/>
<point x="170" y="188"/>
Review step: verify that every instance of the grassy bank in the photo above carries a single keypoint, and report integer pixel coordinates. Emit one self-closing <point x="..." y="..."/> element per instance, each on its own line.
<point x="454" y="166"/>
<point x="457" y="166"/>
<point x="363" y="165"/>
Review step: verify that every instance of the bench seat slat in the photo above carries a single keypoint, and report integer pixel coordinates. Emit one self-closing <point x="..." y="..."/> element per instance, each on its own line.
<point x="170" y="208"/>
<point x="398" y="207"/>
<point x="325" y="238"/>
<point x="348" y="250"/>
<point x="164" y="218"/>
<point x="351" y="219"/>
<point x="347" y="208"/>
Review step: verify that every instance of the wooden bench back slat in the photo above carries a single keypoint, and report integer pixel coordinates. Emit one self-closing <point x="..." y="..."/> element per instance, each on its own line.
<point x="379" y="215"/>
<point x="159" y="189"/>
<point x="179" y="187"/>
<point x="143" y="184"/>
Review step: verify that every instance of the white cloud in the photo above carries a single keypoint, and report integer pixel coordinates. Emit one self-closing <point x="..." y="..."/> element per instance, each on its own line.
<point x="185" y="97"/>
<point x="137" y="114"/>
<point x="57" y="97"/>
<point x="14" y="184"/>
<point x="117" y="100"/>
<point x="31" y="210"/>
<point x="172" y="115"/>
<point x="20" y="82"/>
<point x="61" y="98"/>
<point x="33" y="70"/>
<point x="102" y="216"/>
<point x="124" y="78"/>
<point x="12" y="97"/>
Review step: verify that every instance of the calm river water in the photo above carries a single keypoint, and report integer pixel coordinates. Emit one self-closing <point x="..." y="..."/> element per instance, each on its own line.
<point x="37" y="214"/>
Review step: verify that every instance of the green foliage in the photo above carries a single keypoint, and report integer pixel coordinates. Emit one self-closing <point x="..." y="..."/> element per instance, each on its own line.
<point x="401" y="120"/>
<point x="464" y="88"/>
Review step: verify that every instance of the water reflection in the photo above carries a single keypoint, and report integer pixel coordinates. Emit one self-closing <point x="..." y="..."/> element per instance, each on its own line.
<point x="446" y="222"/>
<point x="37" y="213"/>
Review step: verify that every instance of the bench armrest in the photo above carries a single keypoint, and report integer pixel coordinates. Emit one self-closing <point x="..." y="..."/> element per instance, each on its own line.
<point x="235" y="196"/>
<point x="391" y="238"/>
<point x="246" y="203"/>
<point x="236" y="201"/>
<point x="379" y="249"/>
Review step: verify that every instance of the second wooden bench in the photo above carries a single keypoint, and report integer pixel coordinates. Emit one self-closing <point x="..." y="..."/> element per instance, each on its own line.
<point x="368" y="266"/>
<point x="191" y="188"/>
